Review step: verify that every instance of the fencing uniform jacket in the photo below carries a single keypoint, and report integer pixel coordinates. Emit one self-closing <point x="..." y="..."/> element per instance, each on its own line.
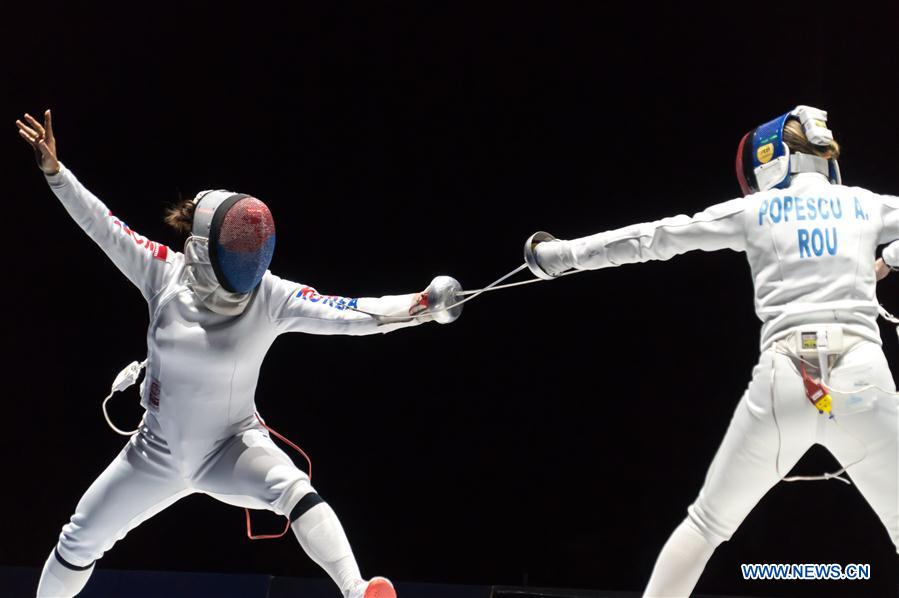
<point x="810" y="249"/>
<point x="203" y="367"/>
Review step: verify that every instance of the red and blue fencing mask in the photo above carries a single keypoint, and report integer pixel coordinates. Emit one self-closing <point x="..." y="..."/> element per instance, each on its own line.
<point x="240" y="232"/>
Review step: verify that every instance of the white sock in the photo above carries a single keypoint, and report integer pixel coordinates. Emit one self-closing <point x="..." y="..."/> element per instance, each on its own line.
<point x="59" y="581"/>
<point x="322" y="537"/>
<point x="681" y="562"/>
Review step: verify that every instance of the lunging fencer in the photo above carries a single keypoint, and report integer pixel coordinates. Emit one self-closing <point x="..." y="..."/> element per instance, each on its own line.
<point x="821" y="377"/>
<point x="215" y="310"/>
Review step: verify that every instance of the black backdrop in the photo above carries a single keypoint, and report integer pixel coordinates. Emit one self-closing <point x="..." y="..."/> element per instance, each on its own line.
<point x="553" y="435"/>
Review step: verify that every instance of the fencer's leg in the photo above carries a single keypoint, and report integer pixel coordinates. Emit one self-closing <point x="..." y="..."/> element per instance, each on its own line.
<point x="251" y="471"/>
<point x="866" y="427"/>
<point x="682" y="561"/>
<point x="60" y="578"/>
<point x="742" y="471"/>
<point x="135" y="486"/>
<point x="316" y="526"/>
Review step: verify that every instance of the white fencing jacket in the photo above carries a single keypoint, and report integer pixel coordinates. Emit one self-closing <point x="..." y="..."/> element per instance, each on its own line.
<point x="810" y="248"/>
<point x="203" y="367"/>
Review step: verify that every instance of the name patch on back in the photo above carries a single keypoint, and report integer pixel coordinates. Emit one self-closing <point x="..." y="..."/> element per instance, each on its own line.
<point x="811" y="241"/>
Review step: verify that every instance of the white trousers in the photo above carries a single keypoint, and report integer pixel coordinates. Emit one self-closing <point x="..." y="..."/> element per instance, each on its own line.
<point x="248" y="470"/>
<point x="772" y="428"/>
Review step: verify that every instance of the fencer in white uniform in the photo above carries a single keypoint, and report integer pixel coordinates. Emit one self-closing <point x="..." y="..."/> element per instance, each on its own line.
<point x="810" y="242"/>
<point x="210" y="328"/>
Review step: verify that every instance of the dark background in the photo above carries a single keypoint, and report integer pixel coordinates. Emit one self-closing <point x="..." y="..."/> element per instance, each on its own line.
<point x="555" y="434"/>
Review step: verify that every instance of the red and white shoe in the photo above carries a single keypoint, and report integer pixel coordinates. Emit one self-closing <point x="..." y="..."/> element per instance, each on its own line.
<point x="376" y="587"/>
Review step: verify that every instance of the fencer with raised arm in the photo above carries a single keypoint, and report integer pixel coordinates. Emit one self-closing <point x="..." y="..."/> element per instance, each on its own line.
<point x="215" y="310"/>
<point x="822" y="376"/>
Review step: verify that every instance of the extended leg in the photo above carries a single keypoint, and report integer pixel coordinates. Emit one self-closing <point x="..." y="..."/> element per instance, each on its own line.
<point x="60" y="578"/>
<point x="742" y="471"/>
<point x="319" y="532"/>
<point x="134" y="487"/>
<point x="682" y="561"/>
<point x="250" y="471"/>
<point x="866" y="427"/>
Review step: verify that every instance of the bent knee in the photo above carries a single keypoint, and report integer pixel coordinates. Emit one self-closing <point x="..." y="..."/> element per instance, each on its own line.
<point x="298" y="498"/>
<point x="303" y="504"/>
<point x="704" y="523"/>
<point x="80" y="544"/>
<point x="77" y="555"/>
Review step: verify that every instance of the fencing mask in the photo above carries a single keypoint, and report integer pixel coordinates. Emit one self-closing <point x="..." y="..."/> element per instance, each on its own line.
<point x="240" y="233"/>
<point x="764" y="161"/>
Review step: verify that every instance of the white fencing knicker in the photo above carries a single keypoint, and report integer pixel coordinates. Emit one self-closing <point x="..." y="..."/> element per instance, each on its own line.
<point x="772" y="428"/>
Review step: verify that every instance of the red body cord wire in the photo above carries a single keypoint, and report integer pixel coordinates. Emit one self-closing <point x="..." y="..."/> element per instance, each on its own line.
<point x="283" y="439"/>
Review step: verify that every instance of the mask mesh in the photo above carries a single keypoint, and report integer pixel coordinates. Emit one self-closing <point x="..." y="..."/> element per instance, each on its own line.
<point x="246" y="226"/>
<point x="245" y="242"/>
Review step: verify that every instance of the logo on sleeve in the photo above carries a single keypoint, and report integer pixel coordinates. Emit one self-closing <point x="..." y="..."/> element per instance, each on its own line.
<point x="160" y="252"/>
<point x="307" y="293"/>
<point x="157" y="250"/>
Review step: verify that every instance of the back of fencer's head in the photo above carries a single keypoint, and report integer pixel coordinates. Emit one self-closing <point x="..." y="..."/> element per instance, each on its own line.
<point x="180" y="216"/>
<point x="794" y="137"/>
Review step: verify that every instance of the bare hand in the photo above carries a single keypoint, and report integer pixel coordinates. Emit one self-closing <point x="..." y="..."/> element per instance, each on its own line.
<point x="41" y="139"/>
<point x="881" y="270"/>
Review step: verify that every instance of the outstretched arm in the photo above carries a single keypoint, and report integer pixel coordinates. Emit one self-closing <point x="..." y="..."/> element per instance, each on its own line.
<point x="295" y="307"/>
<point x="142" y="261"/>
<point x="718" y="227"/>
